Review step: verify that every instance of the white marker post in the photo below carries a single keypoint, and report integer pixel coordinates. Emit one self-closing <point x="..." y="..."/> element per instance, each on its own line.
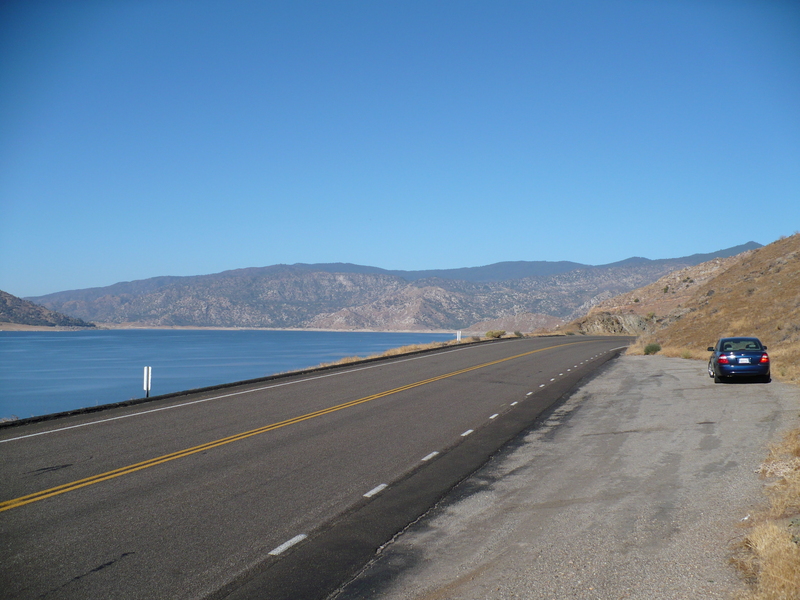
<point x="148" y="376"/>
<point x="458" y="335"/>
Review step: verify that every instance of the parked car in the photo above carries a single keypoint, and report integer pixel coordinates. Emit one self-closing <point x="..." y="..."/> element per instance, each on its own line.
<point x="739" y="357"/>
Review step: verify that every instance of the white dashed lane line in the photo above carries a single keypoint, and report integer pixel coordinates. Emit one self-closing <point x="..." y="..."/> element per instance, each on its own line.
<point x="286" y="545"/>
<point x="376" y="490"/>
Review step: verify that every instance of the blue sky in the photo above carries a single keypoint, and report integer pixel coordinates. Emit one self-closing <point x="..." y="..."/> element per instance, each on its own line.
<point x="144" y="138"/>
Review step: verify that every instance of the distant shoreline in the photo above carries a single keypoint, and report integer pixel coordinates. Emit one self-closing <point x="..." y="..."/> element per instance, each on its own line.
<point x="116" y="327"/>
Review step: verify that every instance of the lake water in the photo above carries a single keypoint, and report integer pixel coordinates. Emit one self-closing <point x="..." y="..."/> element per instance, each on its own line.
<point x="43" y="372"/>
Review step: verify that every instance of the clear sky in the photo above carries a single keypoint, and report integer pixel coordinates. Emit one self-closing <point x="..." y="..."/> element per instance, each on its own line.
<point x="142" y="138"/>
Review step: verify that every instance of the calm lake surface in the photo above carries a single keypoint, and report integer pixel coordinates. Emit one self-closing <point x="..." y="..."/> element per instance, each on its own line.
<point x="44" y="372"/>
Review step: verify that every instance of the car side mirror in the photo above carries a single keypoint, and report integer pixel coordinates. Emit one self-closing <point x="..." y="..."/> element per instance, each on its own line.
<point x="710" y="349"/>
<point x="764" y="347"/>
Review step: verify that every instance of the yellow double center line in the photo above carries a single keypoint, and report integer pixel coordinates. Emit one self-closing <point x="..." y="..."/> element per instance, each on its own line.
<point x="75" y="485"/>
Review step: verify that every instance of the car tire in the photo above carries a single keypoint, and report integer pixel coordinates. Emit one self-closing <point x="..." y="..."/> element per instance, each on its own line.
<point x="717" y="379"/>
<point x="766" y="379"/>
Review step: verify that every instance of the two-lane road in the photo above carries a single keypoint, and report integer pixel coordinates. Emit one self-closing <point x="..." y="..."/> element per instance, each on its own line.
<point x="275" y="489"/>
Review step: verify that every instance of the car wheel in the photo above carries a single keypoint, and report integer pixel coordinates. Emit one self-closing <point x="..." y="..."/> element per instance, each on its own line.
<point x="766" y="379"/>
<point x="717" y="379"/>
<point x="710" y="370"/>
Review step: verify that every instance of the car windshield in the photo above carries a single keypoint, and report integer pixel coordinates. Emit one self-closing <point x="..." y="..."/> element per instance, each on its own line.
<point x="734" y="345"/>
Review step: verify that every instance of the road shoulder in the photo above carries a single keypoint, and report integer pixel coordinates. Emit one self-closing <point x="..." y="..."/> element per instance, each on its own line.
<point x="633" y="488"/>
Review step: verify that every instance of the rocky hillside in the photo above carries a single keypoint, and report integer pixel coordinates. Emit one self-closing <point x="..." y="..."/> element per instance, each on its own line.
<point x="651" y="307"/>
<point x="756" y="293"/>
<point x="342" y="296"/>
<point x="22" y="312"/>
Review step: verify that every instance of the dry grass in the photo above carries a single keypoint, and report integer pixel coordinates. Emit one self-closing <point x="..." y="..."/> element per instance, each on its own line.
<point x="769" y="557"/>
<point x="637" y="348"/>
<point x="769" y="561"/>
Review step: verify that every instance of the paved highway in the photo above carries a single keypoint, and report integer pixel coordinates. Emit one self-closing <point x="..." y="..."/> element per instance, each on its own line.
<point x="274" y="489"/>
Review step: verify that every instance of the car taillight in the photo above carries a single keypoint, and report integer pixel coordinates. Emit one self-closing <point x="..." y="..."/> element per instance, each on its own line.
<point x="764" y="358"/>
<point x="723" y="360"/>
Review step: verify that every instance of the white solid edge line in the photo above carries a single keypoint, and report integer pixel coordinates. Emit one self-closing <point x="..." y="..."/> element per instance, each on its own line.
<point x="431" y="455"/>
<point x="467" y="432"/>
<point x="286" y="545"/>
<point x="376" y="490"/>
<point x="260" y="389"/>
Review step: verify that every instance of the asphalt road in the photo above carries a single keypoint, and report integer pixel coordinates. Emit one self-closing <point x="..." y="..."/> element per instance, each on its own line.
<point x="274" y="489"/>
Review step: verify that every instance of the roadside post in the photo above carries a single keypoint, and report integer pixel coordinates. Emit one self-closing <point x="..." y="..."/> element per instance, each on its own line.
<point x="148" y="376"/>
<point x="458" y="335"/>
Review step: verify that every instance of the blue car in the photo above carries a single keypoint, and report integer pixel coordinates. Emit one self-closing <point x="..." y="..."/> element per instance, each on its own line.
<point x="739" y="357"/>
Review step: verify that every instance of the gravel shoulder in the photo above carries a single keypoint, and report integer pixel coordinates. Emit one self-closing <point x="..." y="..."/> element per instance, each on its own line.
<point x="635" y="487"/>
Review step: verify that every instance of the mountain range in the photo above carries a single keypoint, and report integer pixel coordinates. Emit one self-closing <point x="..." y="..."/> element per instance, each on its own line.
<point x="347" y="296"/>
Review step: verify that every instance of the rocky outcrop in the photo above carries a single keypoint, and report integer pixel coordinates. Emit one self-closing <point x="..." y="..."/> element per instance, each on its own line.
<point x="604" y="323"/>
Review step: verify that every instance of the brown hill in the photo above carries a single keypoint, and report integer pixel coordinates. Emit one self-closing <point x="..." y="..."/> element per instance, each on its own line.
<point x="21" y="312"/>
<point x="755" y="293"/>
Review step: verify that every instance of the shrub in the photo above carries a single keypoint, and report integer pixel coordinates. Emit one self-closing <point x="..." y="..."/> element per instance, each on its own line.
<point x="495" y="334"/>
<point x="518" y="334"/>
<point x="652" y="348"/>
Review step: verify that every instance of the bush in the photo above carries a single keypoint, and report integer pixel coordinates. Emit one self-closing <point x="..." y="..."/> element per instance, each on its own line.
<point x="518" y="334"/>
<point x="495" y="334"/>
<point x="652" y="348"/>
